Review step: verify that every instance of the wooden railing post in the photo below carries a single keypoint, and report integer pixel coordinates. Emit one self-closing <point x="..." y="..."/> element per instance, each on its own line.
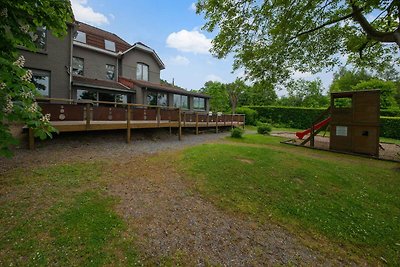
<point x="158" y="116"/>
<point x="232" y="120"/>
<point x="184" y="119"/>
<point x="87" y="116"/>
<point x="244" y="120"/>
<point x="208" y="118"/>
<point x="197" y="123"/>
<point x="31" y="139"/>
<point x="128" y="125"/>
<point x="216" y="123"/>
<point x="180" y="125"/>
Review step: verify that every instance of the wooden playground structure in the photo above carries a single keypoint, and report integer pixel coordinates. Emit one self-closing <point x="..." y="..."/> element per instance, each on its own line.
<point x="353" y="121"/>
<point x="68" y="115"/>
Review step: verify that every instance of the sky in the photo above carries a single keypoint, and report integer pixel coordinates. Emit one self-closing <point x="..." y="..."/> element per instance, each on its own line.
<point x="173" y="29"/>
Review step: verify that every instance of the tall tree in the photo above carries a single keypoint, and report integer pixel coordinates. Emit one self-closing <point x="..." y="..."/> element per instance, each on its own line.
<point x="303" y="93"/>
<point x="272" y="39"/>
<point x="259" y="94"/>
<point x="219" y="96"/>
<point x="388" y="91"/>
<point x="345" y="79"/>
<point x="19" y="21"/>
<point x="235" y="91"/>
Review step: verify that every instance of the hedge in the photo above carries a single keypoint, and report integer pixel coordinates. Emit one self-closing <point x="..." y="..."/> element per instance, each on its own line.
<point x="390" y="112"/>
<point x="390" y="127"/>
<point x="302" y="118"/>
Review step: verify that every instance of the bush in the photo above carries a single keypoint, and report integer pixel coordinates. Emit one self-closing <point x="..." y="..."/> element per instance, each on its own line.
<point x="394" y="112"/>
<point x="251" y="115"/>
<point x="264" y="128"/>
<point x="390" y="127"/>
<point x="237" y="132"/>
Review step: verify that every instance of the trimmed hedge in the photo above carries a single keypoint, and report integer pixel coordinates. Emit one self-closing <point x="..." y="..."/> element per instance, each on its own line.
<point x="251" y="115"/>
<point x="390" y="112"/>
<point x="390" y="127"/>
<point x="301" y="118"/>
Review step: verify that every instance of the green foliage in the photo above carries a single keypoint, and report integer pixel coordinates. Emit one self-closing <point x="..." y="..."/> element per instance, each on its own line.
<point x="330" y="194"/>
<point x="237" y="132"/>
<point x="303" y="93"/>
<point x="251" y="115"/>
<point x="273" y="39"/>
<point x="390" y="127"/>
<point x="393" y="112"/>
<point x="345" y="79"/>
<point x="18" y="23"/>
<point x="235" y="90"/>
<point x="388" y="91"/>
<point x="219" y="101"/>
<point x="260" y="94"/>
<point x="264" y="128"/>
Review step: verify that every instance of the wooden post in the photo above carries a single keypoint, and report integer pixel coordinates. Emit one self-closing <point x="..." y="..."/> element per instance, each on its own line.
<point x="31" y="139"/>
<point x="184" y="119"/>
<point x="224" y="119"/>
<point x="197" y="123"/>
<point x="180" y="125"/>
<point x="232" y="121"/>
<point x="169" y="119"/>
<point x="87" y="116"/>
<point x="216" y="123"/>
<point x="158" y="116"/>
<point x="128" y="126"/>
<point x="244" y="120"/>
<point x="312" y="136"/>
<point x="208" y="118"/>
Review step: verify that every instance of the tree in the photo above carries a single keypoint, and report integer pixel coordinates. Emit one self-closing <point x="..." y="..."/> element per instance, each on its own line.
<point x="219" y="96"/>
<point x="345" y="79"/>
<point x="259" y="94"/>
<point x="235" y="90"/>
<point x="303" y="93"/>
<point x="272" y="39"/>
<point x="19" y="21"/>
<point x="388" y="91"/>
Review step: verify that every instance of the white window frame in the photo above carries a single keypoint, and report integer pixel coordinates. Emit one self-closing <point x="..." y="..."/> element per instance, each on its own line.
<point x="109" y="45"/>
<point x="140" y="67"/>
<point x="80" y="37"/>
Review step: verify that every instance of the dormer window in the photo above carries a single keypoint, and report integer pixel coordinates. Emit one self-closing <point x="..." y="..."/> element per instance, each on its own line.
<point x="80" y="37"/>
<point x="142" y="72"/>
<point x="109" y="45"/>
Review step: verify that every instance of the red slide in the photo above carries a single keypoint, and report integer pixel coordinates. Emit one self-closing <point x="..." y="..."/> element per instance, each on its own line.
<point x="320" y="124"/>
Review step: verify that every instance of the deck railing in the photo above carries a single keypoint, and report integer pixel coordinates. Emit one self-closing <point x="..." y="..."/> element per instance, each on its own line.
<point x="86" y="115"/>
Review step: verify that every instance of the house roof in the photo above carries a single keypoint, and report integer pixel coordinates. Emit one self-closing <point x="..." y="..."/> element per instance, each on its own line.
<point x="95" y="37"/>
<point x="146" y="48"/>
<point x="160" y="87"/>
<point x="100" y="84"/>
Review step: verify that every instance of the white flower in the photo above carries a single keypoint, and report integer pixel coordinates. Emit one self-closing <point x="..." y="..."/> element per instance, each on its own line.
<point x="45" y="118"/>
<point x="33" y="108"/>
<point x="2" y="85"/>
<point x="27" y="95"/>
<point x="27" y="76"/>
<point x="4" y="12"/>
<point x="20" y="62"/>
<point x="35" y="37"/>
<point x="24" y="28"/>
<point x="9" y="105"/>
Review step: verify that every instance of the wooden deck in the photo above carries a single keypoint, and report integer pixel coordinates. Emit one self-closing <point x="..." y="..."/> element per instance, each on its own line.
<point x="68" y="115"/>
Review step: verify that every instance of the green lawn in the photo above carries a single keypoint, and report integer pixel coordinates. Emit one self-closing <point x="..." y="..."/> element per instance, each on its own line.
<point x="352" y="202"/>
<point x="60" y="215"/>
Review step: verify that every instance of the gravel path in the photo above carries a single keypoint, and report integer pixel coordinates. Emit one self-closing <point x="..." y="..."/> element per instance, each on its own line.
<point x="103" y="145"/>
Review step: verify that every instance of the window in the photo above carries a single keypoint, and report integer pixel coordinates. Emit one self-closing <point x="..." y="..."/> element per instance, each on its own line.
<point x="77" y="66"/>
<point x="40" y="38"/>
<point x="199" y="103"/>
<point x="101" y="96"/>
<point x="157" y="99"/>
<point x="109" y="45"/>
<point x="80" y="37"/>
<point x="41" y="79"/>
<point x="181" y="101"/>
<point x="110" y="72"/>
<point x="142" y="72"/>
<point x="343" y="102"/>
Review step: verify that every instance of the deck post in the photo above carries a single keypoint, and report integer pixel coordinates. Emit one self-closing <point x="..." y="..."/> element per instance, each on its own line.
<point x="232" y="121"/>
<point x="216" y="123"/>
<point x="197" y="123"/>
<point x="180" y="125"/>
<point x="31" y="139"/>
<point x="208" y="118"/>
<point x="224" y="119"/>
<point x="87" y="116"/>
<point x="158" y="117"/>
<point x="128" y="126"/>
<point x="184" y="119"/>
<point x="244" y="121"/>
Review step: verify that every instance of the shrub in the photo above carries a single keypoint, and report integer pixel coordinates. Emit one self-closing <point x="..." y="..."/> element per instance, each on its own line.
<point x="390" y="127"/>
<point x="237" y="132"/>
<point x="264" y="128"/>
<point x="251" y="115"/>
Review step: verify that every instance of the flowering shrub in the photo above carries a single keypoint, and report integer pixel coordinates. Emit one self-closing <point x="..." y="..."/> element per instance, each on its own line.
<point x="17" y="93"/>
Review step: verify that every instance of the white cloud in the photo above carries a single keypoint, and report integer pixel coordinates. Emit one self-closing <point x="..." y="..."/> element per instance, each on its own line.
<point x="85" y="13"/>
<point x="193" y="6"/>
<point x="189" y="41"/>
<point x="180" y="60"/>
<point x="214" y="78"/>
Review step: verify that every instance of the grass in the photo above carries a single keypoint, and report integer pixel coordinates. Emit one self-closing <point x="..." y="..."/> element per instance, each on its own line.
<point x="60" y="215"/>
<point x="351" y="201"/>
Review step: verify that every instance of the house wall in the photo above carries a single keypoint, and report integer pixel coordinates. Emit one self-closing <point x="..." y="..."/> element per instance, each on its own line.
<point x="56" y="60"/>
<point x="95" y="62"/>
<point x="130" y="60"/>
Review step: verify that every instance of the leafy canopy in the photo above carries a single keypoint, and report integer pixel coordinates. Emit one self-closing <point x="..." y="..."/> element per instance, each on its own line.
<point x="272" y="39"/>
<point x="19" y="21"/>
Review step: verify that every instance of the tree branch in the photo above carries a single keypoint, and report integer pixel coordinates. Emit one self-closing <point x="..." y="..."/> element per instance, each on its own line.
<point x="324" y="25"/>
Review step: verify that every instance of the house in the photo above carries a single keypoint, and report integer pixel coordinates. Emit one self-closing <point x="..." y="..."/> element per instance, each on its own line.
<point x="90" y="63"/>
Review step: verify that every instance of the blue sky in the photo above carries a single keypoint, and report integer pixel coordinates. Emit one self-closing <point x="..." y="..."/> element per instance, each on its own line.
<point x="173" y="29"/>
